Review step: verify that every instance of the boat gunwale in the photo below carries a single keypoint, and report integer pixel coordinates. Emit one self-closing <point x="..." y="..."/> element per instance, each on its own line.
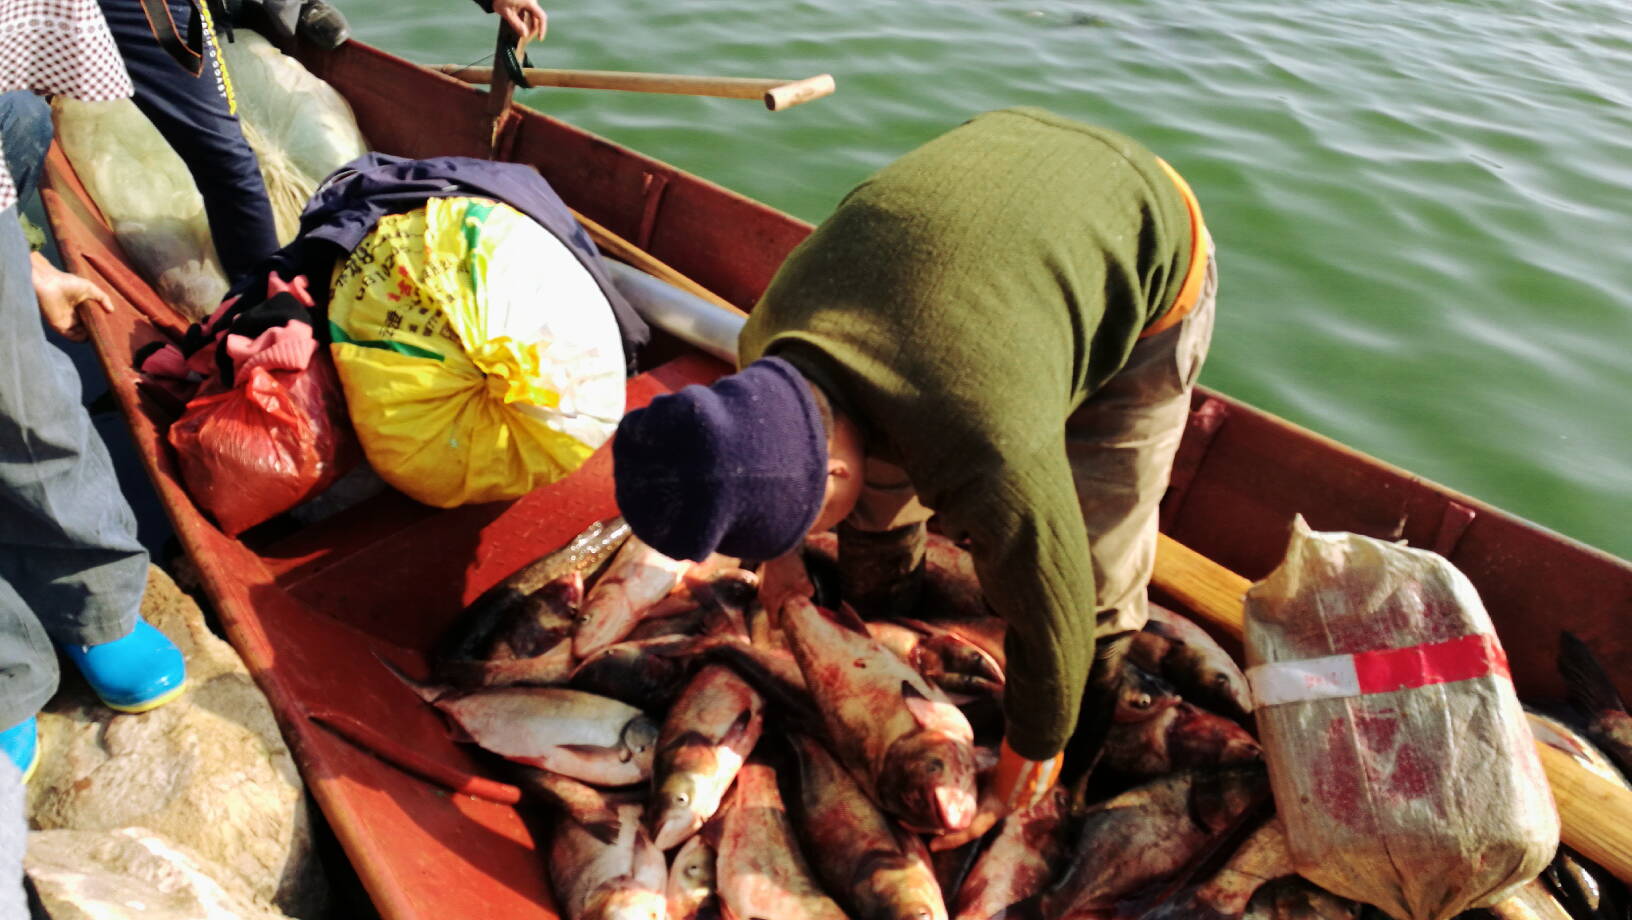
<point x="248" y="587"/>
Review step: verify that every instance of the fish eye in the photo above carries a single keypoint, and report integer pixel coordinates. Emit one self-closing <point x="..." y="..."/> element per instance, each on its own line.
<point x="1142" y="701"/>
<point x="682" y="799"/>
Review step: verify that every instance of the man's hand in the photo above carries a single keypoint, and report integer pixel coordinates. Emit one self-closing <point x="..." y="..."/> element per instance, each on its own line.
<point x="525" y="17"/>
<point x="1016" y="784"/>
<point x="60" y="295"/>
<point x="780" y="579"/>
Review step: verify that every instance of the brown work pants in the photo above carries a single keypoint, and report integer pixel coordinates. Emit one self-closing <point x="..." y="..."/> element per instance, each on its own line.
<point x="1121" y="442"/>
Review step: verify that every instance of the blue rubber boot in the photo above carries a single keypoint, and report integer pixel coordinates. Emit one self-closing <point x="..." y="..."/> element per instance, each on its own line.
<point x="21" y="742"/>
<point x="142" y="671"/>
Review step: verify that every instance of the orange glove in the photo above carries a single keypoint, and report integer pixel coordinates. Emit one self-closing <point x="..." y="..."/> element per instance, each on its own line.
<point x="1021" y="783"/>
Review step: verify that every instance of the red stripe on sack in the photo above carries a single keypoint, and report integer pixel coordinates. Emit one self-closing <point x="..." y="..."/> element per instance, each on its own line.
<point x="1435" y="663"/>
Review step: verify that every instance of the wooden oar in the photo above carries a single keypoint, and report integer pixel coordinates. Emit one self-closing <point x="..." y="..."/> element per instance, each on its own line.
<point x="1595" y="813"/>
<point x="776" y="94"/>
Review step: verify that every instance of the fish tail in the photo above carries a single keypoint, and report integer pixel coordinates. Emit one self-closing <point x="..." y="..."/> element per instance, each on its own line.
<point x="1586" y="683"/>
<point x="430" y="693"/>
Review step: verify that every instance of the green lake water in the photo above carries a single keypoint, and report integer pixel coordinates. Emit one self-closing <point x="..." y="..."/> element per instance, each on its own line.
<point x="1423" y="210"/>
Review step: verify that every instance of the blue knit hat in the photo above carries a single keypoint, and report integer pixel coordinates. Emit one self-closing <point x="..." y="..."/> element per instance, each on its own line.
<point x="739" y="467"/>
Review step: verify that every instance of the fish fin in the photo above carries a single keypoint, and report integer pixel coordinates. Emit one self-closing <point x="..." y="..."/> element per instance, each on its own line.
<point x="842" y="615"/>
<point x="688" y="738"/>
<point x="922" y="707"/>
<point x="714" y="827"/>
<point x="793" y="700"/>
<point x="471" y="632"/>
<point x="738" y="731"/>
<point x="588" y="750"/>
<point x="584" y="804"/>
<point x="1586" y="683"/>
<point x="845" y="615"/>
<point x="428" y="692"/>
<point x="802" y="742"/>
<point x="681" y="646"/>
<point x="1029" y="909"/>
<point x="571" y="588"/>
<point x="917" y="626"/>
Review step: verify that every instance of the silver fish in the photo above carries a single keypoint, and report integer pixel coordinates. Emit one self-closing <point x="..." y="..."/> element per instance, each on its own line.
<point x="493" y="618"/>
<point x="879" y="871"/>
<point x="705" y="740"/>
<point x="1295" y="898"/>
<point x="590" y="738"/>
<point x="1225" y="893"/>
<point x="693" y="891"/>
<point x="1149" y="834"/>
<point x="914" y="748"/>
<point x="634" y="581"/>
<point x="1172" y="647"/>
<point x="762" y="875"/>
<point x="1023" y="858"/>
<point x="621" y="880"/>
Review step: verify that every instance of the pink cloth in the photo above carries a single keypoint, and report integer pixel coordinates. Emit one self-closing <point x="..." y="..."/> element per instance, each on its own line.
<point x="283" y="348"/>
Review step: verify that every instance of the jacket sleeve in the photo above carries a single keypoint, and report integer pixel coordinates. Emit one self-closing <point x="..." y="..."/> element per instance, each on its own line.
<point x="1031" y="552"/>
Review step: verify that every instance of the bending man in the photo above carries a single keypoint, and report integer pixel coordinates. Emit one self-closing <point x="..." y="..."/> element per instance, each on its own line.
<point x="1003" y="326"/>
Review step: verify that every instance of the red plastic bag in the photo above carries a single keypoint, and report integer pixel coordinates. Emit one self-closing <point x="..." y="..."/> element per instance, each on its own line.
<point x="276" y="439"/>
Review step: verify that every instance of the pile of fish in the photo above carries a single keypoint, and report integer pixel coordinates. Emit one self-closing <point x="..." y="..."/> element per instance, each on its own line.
<point x="708" y="758"/>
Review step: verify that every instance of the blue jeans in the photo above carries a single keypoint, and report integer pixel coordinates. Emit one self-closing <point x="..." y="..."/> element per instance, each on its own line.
<point x="197" y="117"/>
<point x="71" y="569"/>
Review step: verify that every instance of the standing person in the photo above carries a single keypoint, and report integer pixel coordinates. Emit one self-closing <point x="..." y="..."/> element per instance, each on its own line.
<point x="1003" y="326"/>
<point x="71" y="569"/>
<point x="181" y="85"/>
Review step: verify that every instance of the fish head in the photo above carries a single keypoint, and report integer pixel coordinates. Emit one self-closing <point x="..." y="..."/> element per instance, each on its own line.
<point x="1143" y="695"/>
<point x="928" y="781"/>
<point x="921" y="909"/>
<point x="738" y="588"/>
<point x="1228" y="690"/>
<point x="694" y="868"/>
<point x="624" y="899"/>
<point x="638" y="743"/>
<point x="674" y="812"/>
<point x="1219" y="798"/>
<point x="1215" y="682"/>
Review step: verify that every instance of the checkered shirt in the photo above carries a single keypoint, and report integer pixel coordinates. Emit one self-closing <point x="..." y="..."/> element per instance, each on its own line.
<point x="57" y="46"/>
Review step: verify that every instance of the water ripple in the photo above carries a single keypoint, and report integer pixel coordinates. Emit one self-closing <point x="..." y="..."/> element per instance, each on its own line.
<point x="1424" y="210"/>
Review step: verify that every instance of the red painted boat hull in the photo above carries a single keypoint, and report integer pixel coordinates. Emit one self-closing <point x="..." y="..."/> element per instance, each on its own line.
<point x="305" y="608"/>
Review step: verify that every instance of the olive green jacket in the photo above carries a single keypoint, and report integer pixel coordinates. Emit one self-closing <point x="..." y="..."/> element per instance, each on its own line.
<point x="959" y="305"/>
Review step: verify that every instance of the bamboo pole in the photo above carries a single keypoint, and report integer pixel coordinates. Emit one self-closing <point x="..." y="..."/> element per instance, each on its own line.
<point x="620" y="248"/>
<point x="1595" y="814"/>
<point x="776" y="94"/>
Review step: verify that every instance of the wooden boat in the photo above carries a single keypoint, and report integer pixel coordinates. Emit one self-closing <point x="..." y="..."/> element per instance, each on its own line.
<point x="305" y="607"/>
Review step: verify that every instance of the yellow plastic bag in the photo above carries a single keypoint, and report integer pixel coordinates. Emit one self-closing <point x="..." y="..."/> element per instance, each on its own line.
<point x="479" y="359"/>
